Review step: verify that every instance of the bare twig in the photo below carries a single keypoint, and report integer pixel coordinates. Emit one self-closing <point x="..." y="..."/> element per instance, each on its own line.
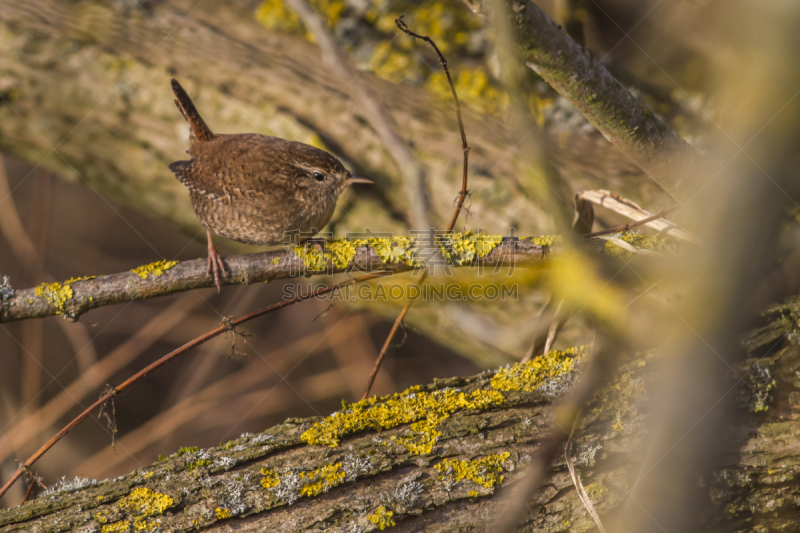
<point x="338" y="63"/>
<point x="95" y="376"/>
<point x="167" y="358"/>
<point x="462" y="195"/>
<point x="29" y="491"/>
<point x="630" y="225"/>
<point x="587" y="501"/>
<point x="630" y="209"/>
<point x="397" y="323"/>
<point x="401" y="25"/>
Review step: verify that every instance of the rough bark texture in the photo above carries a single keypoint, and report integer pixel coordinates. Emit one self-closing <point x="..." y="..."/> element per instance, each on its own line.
<point x="278" y="481"/>
<point x="72" y="298"/>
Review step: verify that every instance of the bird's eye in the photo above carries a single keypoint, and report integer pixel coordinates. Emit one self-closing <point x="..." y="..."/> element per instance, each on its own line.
<point x="319" y="176"/>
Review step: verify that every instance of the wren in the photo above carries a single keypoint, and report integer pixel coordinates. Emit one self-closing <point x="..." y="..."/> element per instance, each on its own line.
<point x="254" y="188"/>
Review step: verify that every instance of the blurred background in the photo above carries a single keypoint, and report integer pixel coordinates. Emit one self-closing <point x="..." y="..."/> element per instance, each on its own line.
<point x="88" y="127"/>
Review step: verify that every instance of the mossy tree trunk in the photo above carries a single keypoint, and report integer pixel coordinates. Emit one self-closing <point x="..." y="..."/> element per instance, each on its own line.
<point x="450" y="469"/>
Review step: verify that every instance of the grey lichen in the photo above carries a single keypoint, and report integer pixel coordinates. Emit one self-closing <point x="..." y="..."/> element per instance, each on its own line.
<point x="6" y="290"/>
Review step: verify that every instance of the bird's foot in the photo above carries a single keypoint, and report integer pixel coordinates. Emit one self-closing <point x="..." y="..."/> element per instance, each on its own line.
<point x="215" y="263"/>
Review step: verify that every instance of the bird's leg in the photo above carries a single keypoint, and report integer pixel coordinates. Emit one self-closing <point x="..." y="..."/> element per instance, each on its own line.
<point x="319" y="244"/>
<point x="215" y="262"/>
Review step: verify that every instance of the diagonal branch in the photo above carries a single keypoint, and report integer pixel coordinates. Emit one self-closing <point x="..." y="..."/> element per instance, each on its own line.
<point x="585" y="82"/>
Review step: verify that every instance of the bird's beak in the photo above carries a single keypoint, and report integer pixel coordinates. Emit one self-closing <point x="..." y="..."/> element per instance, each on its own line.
<point x="356" y="179"/>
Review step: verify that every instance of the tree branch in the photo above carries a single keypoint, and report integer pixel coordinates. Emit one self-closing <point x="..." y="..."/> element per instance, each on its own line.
<point x="585" y="82"/>
<point x="74" y="297"/>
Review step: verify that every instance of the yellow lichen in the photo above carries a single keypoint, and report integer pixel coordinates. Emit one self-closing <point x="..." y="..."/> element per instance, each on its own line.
<point x="618" y="399"/>
<point x="342" y="252"/>
<point x="57" y="293"/>
<point x="539" y="371"/>
<point x="271" y="478"/>
<point x="474" y="88"/>
<point x="547" y="240"/>
<point x="276" y="261"/>
<point x="156" y="268"/>
<point x="382" y="518"/>
<point x="140" y="504"/>
<point x="222" y="513"/>
<point x="321" y="479"/>
<point x="486" y="472"/>
<point x="276" y="16"/>
<point x="637" y="239"/>
<point x="423" y="410"/>
<point x="463" y="248"/>
<point x="117" y="527"/>
<point x="474" y="494"/>
<point x="101" y="516"/>
<point x="596" y="491"/>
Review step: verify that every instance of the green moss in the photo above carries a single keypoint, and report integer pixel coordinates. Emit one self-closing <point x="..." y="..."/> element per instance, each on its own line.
<point x="423" y="410"/>
<point x="156" y="269"/>
<point x="382" y="518"/>
<point x="486" y="472"/>
<point x="528" y="377"/>
<point x="57" y="293"/>
<point x="201" y="462"/>
<point x="183" y="450"/>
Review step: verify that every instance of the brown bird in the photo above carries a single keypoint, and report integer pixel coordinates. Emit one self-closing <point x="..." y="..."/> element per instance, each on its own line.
<point x="255" y="188"/>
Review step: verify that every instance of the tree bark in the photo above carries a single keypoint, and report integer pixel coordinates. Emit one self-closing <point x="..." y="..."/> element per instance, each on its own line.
<point x="283" y="480"/>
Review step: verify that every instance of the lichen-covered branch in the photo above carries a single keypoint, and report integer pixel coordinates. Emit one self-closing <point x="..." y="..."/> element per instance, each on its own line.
<point x="585" y="82"/>
<point x="73" y="297"/>
<point x="443" y="455"/>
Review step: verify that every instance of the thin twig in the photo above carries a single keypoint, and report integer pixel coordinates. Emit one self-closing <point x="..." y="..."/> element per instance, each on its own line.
<point x="30" y="490"/>
<point x="338" y="63"/>
<point x="462" y="195"/>
<point x="587" y="501"/>
<point x="167" y="358"/>
<point x="628" y="226"/>
<point x="600" y="366"/>
<point x="632" y="210"/>
<point x="398" y="321"/>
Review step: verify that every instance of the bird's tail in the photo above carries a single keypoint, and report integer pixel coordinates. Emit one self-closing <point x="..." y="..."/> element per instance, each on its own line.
<point x="199" y="130"/>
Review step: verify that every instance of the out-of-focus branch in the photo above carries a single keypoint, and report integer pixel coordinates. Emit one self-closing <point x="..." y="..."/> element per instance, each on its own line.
<point x="583" y="80"/>
<point x="419" y="207"/>
<point x="72" y="298"/>
<point x="632" y="210"/>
